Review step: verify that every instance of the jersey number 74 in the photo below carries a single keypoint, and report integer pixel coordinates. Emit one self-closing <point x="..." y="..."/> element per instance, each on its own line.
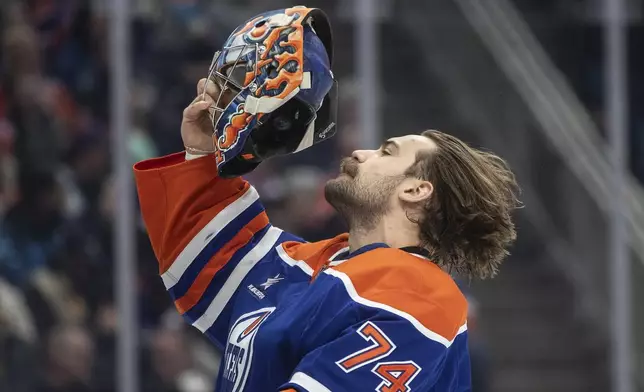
<point x="396" y="375"/>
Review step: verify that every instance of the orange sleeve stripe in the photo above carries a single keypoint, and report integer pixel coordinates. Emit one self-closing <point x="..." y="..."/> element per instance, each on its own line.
<point x="184" y="225"/>
<point x="201" y="282"/>
<point x="178" y="198"/>
<point x="411" y="285"/>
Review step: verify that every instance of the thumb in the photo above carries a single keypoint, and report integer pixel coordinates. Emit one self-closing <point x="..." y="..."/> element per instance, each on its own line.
<point x="196" y="110"/>
<point x="203" y="105"/>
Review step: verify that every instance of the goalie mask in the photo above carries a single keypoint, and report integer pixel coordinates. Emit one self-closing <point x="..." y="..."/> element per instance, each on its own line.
<point x="278" y="67"/>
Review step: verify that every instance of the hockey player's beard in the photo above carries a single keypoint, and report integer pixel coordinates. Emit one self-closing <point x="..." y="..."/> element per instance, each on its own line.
<point x="362" y="203"/>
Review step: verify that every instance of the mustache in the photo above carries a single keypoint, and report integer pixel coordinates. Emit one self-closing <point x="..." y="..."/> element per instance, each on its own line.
<point x="349" y="166"/>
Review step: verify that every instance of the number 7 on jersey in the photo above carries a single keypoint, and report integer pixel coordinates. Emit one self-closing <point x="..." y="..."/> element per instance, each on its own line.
<point x="396" y="376"/>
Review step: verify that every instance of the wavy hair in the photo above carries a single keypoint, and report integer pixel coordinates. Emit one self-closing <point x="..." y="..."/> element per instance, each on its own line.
<point x="467" y="223"/>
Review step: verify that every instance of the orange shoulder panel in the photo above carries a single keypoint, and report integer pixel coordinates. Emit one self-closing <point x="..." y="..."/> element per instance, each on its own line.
<point x="410" y="284"/>
<point x="316" y="254"/>
<point x="178" y="198"/>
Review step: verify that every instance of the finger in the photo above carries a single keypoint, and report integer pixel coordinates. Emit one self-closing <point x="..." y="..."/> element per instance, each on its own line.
<point x="200" y="85"/>
<point x="203" y="105"/>
<point x="196" y="110"/>
<point x="211" y="88"/>
<point x="200" y="98"/>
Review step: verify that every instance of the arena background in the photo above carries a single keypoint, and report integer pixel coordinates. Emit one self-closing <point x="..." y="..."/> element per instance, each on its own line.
<point x="87" y="89"/>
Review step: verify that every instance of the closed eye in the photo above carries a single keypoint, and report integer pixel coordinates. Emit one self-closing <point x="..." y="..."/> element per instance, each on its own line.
<point x="389" y="148"/>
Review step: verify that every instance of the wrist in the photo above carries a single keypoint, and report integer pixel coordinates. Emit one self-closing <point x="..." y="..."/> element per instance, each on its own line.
<point x="190" y="156"/>
<point x="194" y="153"/>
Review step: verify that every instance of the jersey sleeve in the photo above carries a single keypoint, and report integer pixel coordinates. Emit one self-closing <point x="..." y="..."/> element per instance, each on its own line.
<point x="357" y="343"/>
<point x="207" y="233"/>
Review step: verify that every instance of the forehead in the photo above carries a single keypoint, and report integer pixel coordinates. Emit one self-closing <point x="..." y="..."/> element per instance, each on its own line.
<point x="411" y="144"/>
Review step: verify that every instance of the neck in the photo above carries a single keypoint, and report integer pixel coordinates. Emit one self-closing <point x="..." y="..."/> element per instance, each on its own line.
<point x="382" y="232"/>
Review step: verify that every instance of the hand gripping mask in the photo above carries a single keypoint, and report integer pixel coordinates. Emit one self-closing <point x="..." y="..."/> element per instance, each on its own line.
<point x="278" y="67"/>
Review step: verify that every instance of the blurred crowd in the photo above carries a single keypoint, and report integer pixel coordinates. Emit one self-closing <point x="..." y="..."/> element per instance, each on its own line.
<point x="57" y="311"/>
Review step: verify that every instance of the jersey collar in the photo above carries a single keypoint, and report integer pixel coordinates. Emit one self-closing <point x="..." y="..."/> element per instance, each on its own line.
<point x="344" y="254"/>
<point x="417" y="251"/>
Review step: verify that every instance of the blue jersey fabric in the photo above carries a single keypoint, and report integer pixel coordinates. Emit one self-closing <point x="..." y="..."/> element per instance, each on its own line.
<point x="295" y="316"/>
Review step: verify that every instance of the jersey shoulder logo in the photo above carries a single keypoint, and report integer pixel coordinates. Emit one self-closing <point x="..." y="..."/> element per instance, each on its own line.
<point x="271" y="281"/>
<point x="238" y="357"/>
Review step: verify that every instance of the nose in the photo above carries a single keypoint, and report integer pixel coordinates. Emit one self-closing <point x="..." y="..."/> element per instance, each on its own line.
<point x="362" y="155"/>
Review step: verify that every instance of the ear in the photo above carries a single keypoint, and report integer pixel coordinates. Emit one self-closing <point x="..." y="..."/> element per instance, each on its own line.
<point x="415" y="191"/>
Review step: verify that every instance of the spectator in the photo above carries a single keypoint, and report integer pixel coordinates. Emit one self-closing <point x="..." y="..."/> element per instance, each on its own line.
<point x="8" y="170"/>
<point x="170" y="367"/>
<point x="29" y="235"/>
<point x="70" y="357"/>
<point x="105" y="323"/>
<point x="17" y="340"/>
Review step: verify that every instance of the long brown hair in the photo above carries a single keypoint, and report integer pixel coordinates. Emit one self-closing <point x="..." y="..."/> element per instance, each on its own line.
<point x="467" y="223"/>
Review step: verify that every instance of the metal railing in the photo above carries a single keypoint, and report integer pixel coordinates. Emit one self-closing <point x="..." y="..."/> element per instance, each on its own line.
<point x="568" y="126"/>
<point x="563" y="117"/>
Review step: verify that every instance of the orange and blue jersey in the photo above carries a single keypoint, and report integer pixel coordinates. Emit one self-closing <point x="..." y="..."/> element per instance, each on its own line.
<point x="295" y="316"/>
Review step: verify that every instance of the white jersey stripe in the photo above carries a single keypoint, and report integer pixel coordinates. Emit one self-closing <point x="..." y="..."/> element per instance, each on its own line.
<point x="236" y="277"/>
<point x="462" y="329"/>
<point x="308" y="383"/>
<point x="336" y="254"/>
<point x="420" y="256"/>
<point x="292" y="262"/>
<point x="199" y="242"/>
<point x="417" y="324"/>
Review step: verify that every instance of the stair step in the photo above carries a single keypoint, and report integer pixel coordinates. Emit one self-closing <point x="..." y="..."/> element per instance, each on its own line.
<point x="526" y="272"/>
<point x="526" y="319"/>
<point x="537" y="357"/>
<point x="519" y="379"/>
<point x="497" y="299"/>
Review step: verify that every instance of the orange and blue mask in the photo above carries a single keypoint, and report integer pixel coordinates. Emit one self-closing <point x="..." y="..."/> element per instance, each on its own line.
<point x="278" y="66"/>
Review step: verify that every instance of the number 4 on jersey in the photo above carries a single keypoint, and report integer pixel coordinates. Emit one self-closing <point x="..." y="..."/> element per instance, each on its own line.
<point x="396" y="376"/>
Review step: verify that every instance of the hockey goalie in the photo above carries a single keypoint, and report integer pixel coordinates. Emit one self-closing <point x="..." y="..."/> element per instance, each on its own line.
<point x="372" y="309"/>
